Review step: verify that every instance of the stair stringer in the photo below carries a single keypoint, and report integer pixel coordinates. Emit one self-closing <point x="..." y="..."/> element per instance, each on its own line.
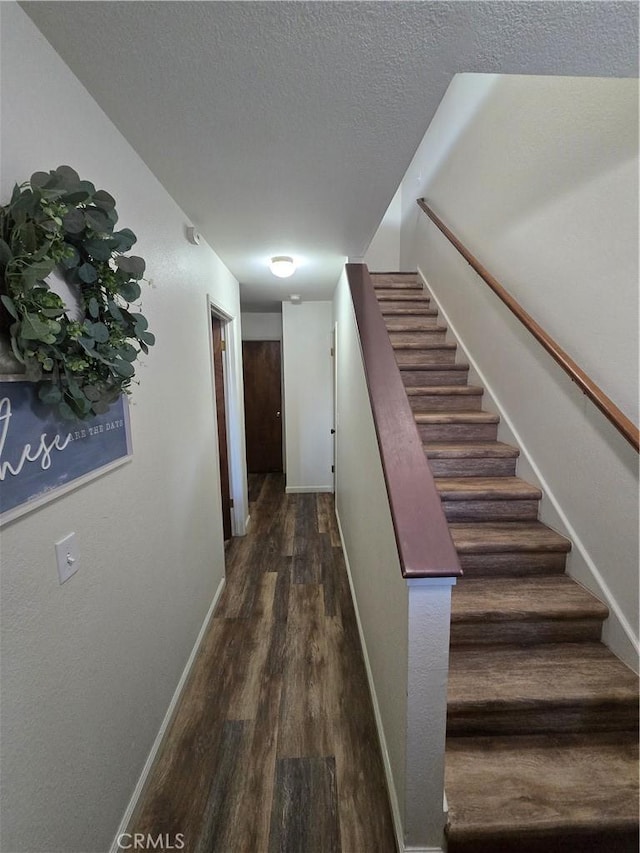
<point x="618" y="634"/>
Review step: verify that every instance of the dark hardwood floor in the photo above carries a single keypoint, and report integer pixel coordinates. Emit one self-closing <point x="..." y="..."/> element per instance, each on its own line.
<point x="273" y="747"/>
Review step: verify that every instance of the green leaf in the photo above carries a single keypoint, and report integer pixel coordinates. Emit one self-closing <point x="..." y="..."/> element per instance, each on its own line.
<point x="140" y="321"/>
<point x="115" y="312"/>
<point x="29" y="240"/>
<point x="16" y="350"/>
<point x="37" y="272"/>
<point x="73" y="222"/>
<point x="123" y="368"/>
<point x="50" y="394"/>
<point x="76" y="196"/>
<point x="92" y="393"/>
<point x="87" y="273"/>
<point x="130" y="291"/>
<point x="5" y="254"/>
<point x="126" y="238"/>
<point x="103" y="200"/>
<point x="148" y="338"/>
<point x="100" y="332"/>
<point x="8" y="303"/>
<point x="144" y="347"/>
<point x="128" y="352"/>
<point x="67" y="412"/>
<point x="94" y="308"/>
<point x="99" y="250"/>
<point x="97" y="220"/>
<point x="39" y="179"/>
<point x="132" y="265"/>
<point x="35" y="329"/>
<point x="68" y="175"/>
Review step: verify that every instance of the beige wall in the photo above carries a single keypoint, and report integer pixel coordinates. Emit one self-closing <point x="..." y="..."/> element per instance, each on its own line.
<point x="362" y="505"/>
<point x="89" y="668"/>
<point x="308" y="395"/>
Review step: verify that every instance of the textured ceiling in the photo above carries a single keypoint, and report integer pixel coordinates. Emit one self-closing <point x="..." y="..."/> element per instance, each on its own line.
<point x="286" y="127"/>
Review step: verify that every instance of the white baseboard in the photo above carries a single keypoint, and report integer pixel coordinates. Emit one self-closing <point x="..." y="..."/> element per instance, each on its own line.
<point x="568" y="530"/>
<point x="393" y="797"/>
<point x="306" y="490"/>
<point x="126" y="818"/>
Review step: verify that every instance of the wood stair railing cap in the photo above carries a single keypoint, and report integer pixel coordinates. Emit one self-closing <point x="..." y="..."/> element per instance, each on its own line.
<point x="425" y="547"/>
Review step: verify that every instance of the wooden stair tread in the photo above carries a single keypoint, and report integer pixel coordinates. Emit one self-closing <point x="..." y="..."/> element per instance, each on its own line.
<point x="557" y="674"/>
<point x="426" y="329"/>
<point x="462" y="488"/>
<point x="507" y="536"/>
<point x="388" y="311"/>
<point x="467" y="449"/>
<point x="499" y="599"/>
<point x="511" y="787"/>
<point x="423" y="345"/>
<point x="461" y="417"/>
<point x="411" y="298"/>
<point x="429" y="328"/>
<point x="445" y="391"/>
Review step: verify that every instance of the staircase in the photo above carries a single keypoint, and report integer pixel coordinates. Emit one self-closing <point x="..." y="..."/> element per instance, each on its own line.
<point x="542" y="720"/>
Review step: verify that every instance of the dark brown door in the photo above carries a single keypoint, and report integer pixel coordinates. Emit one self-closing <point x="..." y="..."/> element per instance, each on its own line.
<point x="262" y="405"/>
<point x="218" y="378"/>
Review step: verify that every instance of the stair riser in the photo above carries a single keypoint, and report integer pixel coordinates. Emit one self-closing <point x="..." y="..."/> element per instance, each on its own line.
<point x="396" y="281"/>
<point x="607" y="840"/>
<point x="420" y="378"/>
<point x="525" y="632"/>
<point x="482" y="467"/>
<point x="446" y="403"/>
<point x="490" y="510"/>
<point x="411" y="320"/>
<point x="420" y="337"/>
<point x="458" y="432"/>
<point x="610" y="717"/>
<point x="418" y="357"/>
<point x="514" y="564"/>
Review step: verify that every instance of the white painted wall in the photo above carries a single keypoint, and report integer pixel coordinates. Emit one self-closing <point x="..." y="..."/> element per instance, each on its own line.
<point x="89" y="668"/>
<point x="261" y="326"/>
<point x="308" y="395"/>
<point x="538" y="176"/>
<point x="362" y="506"/>
<point x="383" y="254"/>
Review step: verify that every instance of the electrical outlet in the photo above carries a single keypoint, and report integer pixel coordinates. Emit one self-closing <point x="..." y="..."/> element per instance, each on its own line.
<point x="67" y="557"/>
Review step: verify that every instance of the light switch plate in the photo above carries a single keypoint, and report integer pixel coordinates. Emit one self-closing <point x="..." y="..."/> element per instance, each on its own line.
<point x="67" y="557"/>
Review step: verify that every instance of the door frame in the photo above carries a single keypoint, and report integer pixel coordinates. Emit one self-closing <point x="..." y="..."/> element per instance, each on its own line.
<point x="234" y="411"/>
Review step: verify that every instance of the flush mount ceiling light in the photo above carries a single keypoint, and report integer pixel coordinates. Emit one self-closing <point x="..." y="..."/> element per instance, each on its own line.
<point x="282" y="266"/>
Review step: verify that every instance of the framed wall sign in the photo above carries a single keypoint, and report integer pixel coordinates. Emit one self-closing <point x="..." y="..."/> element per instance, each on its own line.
<point x="43" y="456"/>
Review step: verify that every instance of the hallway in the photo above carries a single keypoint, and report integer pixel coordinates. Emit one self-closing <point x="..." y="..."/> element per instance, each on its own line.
<point x="274" y="746"/>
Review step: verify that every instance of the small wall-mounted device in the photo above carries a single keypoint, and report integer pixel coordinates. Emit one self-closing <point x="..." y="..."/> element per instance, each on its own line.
<point x="193" y="236"/>
<point x="294" y="298"/>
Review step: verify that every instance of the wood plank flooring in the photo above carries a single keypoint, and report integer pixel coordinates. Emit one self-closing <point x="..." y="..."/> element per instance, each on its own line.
<point x="273" y="748"/>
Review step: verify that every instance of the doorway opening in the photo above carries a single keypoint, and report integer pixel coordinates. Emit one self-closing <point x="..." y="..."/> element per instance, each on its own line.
<point x="219" y="346"/>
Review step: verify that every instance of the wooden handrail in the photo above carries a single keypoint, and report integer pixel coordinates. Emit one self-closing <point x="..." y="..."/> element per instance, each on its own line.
<point x="422" y="535"/>
<point x="597" y="396"/>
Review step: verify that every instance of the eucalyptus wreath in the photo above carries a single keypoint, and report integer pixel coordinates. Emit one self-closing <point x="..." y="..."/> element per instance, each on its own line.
<point x="57" y="222"/>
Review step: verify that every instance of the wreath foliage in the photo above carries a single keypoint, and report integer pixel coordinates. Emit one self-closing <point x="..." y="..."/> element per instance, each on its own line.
<point x="55" y="221"/>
